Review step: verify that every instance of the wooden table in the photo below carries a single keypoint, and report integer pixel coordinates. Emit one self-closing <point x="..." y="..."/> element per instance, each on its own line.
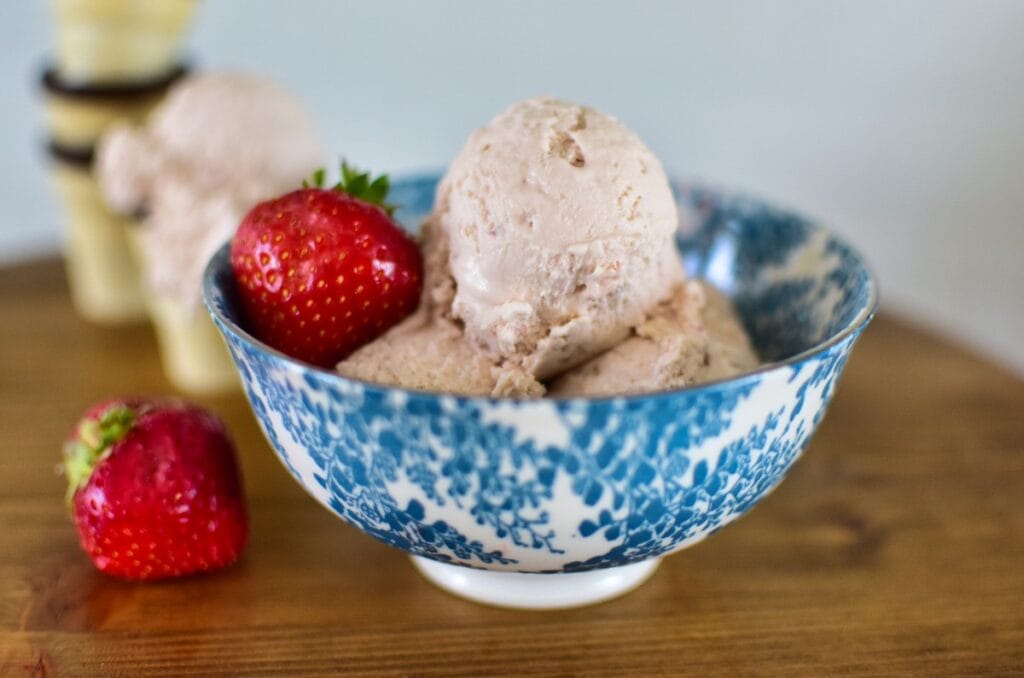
<point x="896" y="545"/>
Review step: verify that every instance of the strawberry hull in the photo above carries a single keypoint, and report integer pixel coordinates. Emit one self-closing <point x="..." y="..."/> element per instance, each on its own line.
<point x="165" y="499"/>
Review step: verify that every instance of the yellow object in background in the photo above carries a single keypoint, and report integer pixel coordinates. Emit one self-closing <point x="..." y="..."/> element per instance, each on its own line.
<point x="103" y="41"/>
<point x="194" y="355"/>
<point x="102" y="272"/>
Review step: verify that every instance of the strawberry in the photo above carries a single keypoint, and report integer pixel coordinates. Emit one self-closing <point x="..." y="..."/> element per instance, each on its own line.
<point x="321" y="272"/>
<point x="154" y="489"/>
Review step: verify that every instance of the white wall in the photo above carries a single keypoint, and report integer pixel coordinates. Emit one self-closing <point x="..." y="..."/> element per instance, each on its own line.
<point x="901" y="124"/>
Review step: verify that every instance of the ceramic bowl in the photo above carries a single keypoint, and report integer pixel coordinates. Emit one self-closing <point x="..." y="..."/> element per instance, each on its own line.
<point x="561" y="502"/>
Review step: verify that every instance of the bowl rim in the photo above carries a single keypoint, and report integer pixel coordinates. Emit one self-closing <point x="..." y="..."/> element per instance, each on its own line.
<point x="221" y="259"/>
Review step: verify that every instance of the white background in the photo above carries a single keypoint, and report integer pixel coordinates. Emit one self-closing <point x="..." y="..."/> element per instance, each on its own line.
<point x="898" y="123"/>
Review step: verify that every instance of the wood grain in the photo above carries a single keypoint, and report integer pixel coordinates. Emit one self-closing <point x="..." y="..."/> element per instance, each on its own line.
<point x="895" y="546"/>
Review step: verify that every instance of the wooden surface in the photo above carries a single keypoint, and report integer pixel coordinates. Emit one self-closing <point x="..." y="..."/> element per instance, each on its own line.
<point x="896" y="545"/>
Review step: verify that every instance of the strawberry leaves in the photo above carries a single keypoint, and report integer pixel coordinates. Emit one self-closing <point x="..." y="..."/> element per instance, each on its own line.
<point x="360" y="185"/>
<point x="93" y="439"/>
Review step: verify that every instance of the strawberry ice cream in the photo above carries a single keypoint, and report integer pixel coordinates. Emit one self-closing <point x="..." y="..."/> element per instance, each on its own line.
<point x="218" y="144"/>
<point x="428" y="350"/>
<point x="551" y="267"/>
<point x="560" y="222"/>
<point x="691" y="338"/>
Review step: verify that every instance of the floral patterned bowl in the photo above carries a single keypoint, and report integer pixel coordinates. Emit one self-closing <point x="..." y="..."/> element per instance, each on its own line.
<point x="562" y="502"/>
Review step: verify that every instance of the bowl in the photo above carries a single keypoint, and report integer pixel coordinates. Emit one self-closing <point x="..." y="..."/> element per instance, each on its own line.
<point x="545" y="503"/>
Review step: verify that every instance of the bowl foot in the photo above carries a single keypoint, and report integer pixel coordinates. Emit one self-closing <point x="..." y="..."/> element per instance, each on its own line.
<point x="536" y="591"/>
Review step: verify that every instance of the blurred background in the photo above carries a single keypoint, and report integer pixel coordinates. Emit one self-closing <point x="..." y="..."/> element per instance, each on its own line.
<point x="899" y="123"/>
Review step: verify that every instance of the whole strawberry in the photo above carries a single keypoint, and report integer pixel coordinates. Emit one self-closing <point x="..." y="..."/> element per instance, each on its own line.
<point x="321" y="272"/>
<point x="154" y="489"/>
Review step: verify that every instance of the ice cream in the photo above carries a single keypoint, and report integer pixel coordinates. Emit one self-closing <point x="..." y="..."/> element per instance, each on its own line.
<point x="551" y="267"/>
<point x="114" y="60"/>
<point x="560" y="222"/>
<point x="219" y="143"/>
<point x="428" y="350"/>
<point x="691" y="338"/>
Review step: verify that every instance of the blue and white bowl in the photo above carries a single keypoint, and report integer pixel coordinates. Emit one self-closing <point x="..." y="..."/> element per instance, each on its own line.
<point x="590" y="492"/>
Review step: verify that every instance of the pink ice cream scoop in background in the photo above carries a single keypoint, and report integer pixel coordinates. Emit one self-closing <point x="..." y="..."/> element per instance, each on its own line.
<point x="219" y="143"/>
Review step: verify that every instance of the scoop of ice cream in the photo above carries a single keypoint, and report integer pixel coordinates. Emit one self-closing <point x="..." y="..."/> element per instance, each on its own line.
<point x="219" y="143"/>
<point x="213" y="130"/>
<point x="431" y="354"/>
<point x="428" y="350"/>
<point x="560" y="222"/>
<point x="693" y="337"/>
